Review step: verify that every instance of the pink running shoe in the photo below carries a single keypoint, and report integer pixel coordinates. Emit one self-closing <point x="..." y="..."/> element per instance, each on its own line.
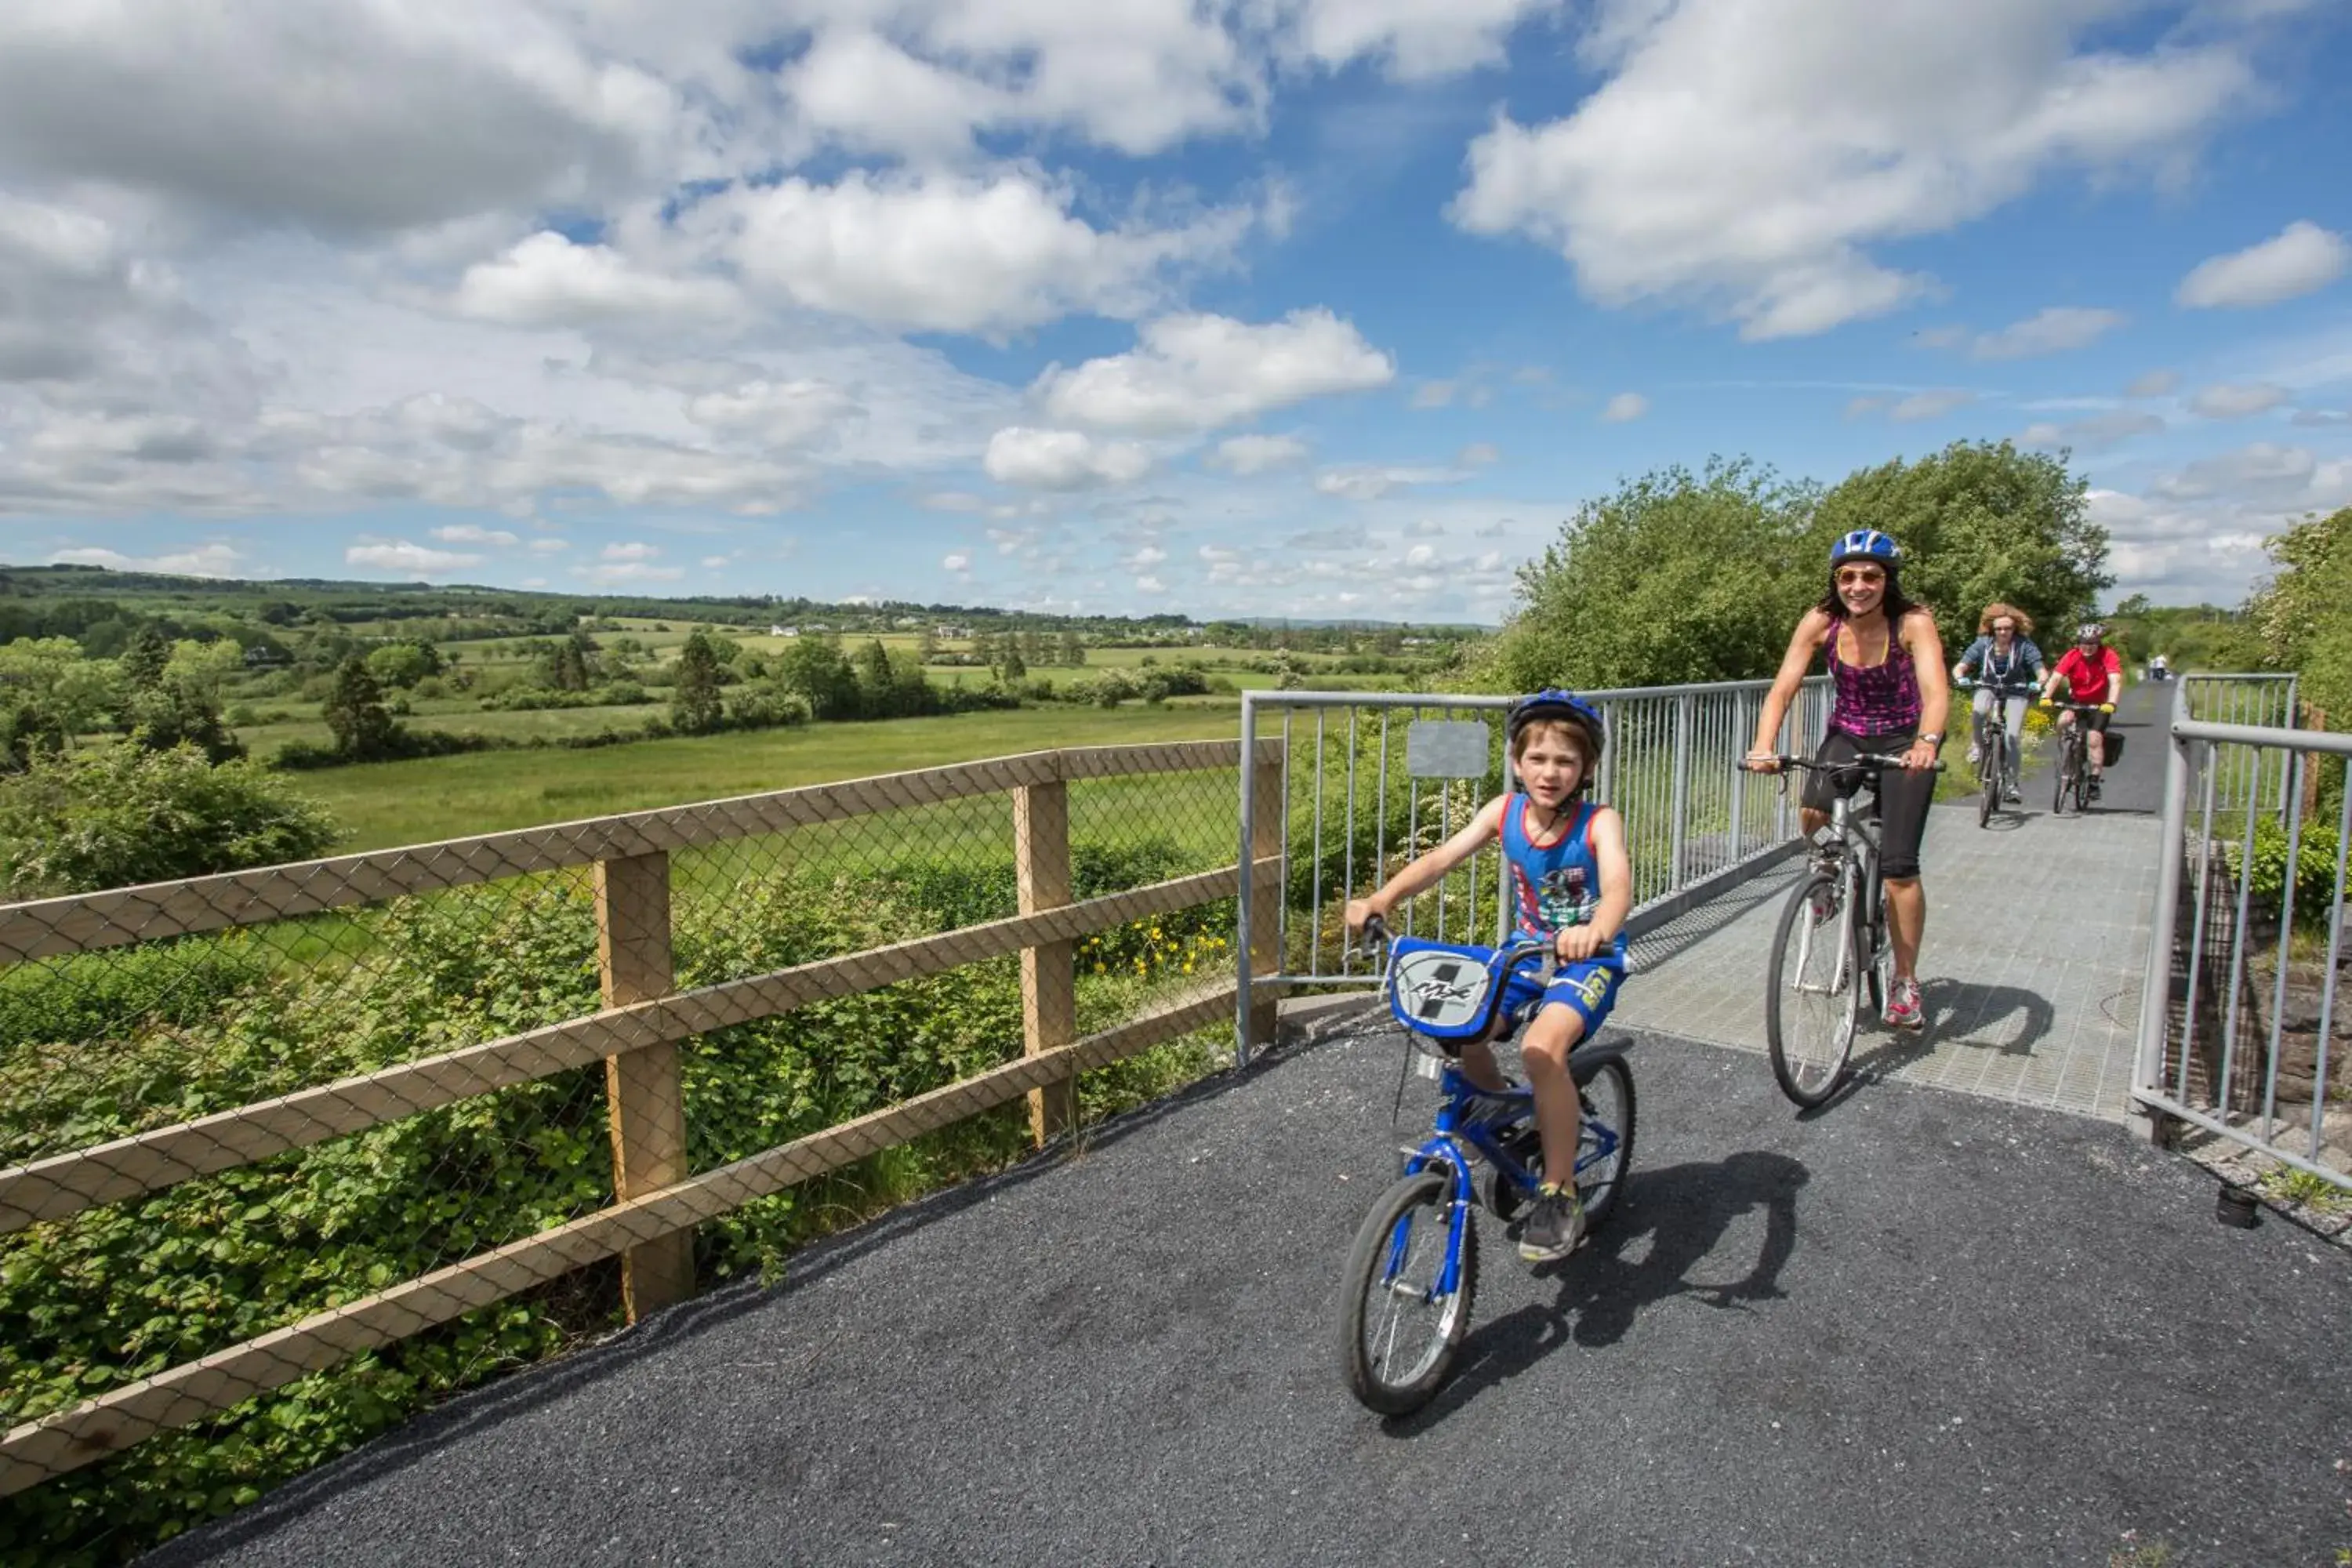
<point x="1903" y="1008"/>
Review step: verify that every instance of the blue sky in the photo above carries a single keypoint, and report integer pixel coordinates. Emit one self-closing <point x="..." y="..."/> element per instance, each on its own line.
<point x="1286" y="307"/>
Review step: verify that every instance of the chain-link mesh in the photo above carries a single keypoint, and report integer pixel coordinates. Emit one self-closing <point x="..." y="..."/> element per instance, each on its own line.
<point x="265" y="1187"/>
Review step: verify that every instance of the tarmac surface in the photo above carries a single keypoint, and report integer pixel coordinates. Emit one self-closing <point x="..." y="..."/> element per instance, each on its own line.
<point x="1920" y="1328"/>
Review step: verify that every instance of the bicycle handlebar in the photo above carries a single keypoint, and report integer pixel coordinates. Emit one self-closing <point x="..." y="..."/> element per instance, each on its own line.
<point x="1869" y="763"/>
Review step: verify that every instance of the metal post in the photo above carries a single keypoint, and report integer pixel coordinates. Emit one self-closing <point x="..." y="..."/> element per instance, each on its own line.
<point x="2155" y="988"/>
<point x="1681" y="799"/>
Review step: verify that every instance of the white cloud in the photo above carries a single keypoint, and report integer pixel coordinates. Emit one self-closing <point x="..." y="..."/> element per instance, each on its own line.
<point x="2226" y="400"/>
<point x="1061" y="459"/>
<point x="548" y="546"/>
<point x="1930" y="405"/>
<point x="2152" y="384"/>
<point x="1372" y="481"/>
<point x="549" y="281"/>
<point x="2054" y="329"/>
<point x="2096" y="434"/>
<point x="1145" y="556"/>
<point x="473" y="533"/>
<point x="1421" y="555"/>
<point x="1479" y="455"/>
<point x="2297" y="260"/>
<point x="1434" y="395"/>
<point x="613" y="573"/>
<point x="772" y="414"/>
<point x="1624" y="408"/>
<point x="952" y="253"/>
<point x="629" y="550"/>
<point x="1746" y="155"/>
<point x="214" y="560"/>
<point x="1246" y="455"/>
<point x="1196" y="372"/>
<point x="395" y="116"/>
<point x="958" y="561"/>
<point x="400" y="555"/>
<point x="1149" y="584"/>
<point x="1414" y="38"/>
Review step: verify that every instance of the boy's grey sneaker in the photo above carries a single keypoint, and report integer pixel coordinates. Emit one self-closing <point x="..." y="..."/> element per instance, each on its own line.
<point x="1555" y="1225"/>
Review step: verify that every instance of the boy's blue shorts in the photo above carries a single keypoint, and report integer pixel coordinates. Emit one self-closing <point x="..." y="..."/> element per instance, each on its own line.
<point x="1589" y="987"/>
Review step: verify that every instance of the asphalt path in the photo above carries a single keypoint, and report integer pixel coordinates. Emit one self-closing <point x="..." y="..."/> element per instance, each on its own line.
<point x="1920" y="1329"/>
<point x="2142" y="717"/>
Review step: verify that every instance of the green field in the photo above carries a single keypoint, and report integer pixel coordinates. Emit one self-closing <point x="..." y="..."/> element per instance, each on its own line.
<point x="386" y="803"/>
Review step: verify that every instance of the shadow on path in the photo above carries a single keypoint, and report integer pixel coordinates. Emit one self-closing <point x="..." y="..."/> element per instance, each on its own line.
<point x="1673" y="1220"/>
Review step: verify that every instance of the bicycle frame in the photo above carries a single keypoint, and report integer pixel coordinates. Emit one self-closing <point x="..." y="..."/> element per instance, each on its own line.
<point x="1857" y="851"/>
<point x="1472" y="1115"/>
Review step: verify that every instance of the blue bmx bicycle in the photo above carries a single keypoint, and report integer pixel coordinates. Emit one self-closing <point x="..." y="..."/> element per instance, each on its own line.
<point x="1404" y="1300"/>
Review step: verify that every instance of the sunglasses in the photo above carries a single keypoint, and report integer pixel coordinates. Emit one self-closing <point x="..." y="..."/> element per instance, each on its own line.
<point x="1860" y="576"/>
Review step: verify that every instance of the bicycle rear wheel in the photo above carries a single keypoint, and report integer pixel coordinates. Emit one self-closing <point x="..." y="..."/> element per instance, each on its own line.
<point x="1990" y="779"/>
<point x="1399" y="1331"/>
<point x="1607" y="1105"/>
<point x="1814" y="1004"/>
<point x="2064" y="773"/>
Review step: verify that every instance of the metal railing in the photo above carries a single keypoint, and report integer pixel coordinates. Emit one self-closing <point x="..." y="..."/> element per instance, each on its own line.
<point x="2262" y="701"/>
<point x="2241" y="1013"/>
<point x="1369" y="782"/>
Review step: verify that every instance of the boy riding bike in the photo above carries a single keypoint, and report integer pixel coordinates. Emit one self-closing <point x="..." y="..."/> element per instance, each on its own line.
<point x="1570" y="884"/>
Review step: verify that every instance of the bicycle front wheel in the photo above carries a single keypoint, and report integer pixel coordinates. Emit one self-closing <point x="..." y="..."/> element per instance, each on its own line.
<point x="1814" y="1004"/>
<point x="2064" y="773"/>
<point x="1399" y="1327"/>
<point x="1604" y="1140"/>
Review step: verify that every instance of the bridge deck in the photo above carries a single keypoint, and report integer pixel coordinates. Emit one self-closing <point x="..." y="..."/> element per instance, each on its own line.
<point x="2037" y="944"/>
<point x="1920" y="1328"/>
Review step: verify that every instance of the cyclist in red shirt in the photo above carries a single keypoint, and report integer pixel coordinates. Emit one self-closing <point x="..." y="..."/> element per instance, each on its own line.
<point x="2092" y="673"/>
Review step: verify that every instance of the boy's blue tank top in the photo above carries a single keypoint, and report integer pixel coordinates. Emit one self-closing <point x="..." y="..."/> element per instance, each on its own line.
<point x="1556" y="884"/>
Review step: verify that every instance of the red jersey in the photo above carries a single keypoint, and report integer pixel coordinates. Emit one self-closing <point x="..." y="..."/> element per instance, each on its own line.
<point x="2087" y="678"/>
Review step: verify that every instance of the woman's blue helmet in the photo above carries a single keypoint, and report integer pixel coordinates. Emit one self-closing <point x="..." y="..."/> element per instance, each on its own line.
<point x="1554" y="705"/>
<point x="1866" y="544"/>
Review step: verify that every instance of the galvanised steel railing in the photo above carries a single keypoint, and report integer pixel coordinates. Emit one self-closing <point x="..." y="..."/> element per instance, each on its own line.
<point x="1371" y="780"/>
<point x="2267" y="701"/>
<point x="2241" y="1010"/>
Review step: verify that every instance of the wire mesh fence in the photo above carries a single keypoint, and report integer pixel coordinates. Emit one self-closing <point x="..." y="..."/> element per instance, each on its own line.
<point x="1373" y="782"/>
<point x="2246" y="1029"/>
<point x="287" y="1154"/>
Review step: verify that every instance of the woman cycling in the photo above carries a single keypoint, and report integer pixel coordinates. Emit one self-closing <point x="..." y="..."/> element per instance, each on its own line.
<point x="2007" y="668"/>
<point x="1886" y="665"/>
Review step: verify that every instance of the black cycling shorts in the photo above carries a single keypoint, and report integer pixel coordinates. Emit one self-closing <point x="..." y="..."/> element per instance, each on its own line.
<point x="2093" y="722"/>
<point x="1903" y="796"/>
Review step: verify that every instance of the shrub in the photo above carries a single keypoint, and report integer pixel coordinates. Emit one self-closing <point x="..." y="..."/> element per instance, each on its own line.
<point x="116" y="815"/>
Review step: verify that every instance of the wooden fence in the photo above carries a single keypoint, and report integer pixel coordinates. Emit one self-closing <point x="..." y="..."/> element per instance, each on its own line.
<point x="637" y="1033"/>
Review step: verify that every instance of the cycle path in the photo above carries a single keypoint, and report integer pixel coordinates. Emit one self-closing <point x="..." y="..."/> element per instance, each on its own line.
<point x="1922" y="1329"/>
<point x="2035" y="951"/>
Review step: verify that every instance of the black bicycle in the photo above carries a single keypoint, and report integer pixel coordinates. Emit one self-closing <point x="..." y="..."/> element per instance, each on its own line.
<point x="1997" y="764"/>
<point x="1832" y="946"/>
<point x="2074" y="770"/>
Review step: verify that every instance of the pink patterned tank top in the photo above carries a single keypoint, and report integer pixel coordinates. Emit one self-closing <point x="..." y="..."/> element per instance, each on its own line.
<point x="1880" y="698"/>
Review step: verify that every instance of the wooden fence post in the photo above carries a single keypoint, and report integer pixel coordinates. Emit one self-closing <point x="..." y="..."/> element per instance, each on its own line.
<point x="1049" y="993"/>
<point x="1267" y="791"/>
<point x="643" y="1091"/>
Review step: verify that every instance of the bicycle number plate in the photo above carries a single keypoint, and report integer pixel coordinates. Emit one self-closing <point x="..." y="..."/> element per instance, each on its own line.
<point x="1447" y="749"/>
<point x="1424" y="1065"/>
<point x="1437" y="992"/>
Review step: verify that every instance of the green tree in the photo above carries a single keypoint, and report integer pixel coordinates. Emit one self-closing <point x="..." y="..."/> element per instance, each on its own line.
<point x="403" y="664"/>
<point x="144" y="660"/>
<point x="48" y="694"/>
<point x="814" y="667"/>
<point x="113" y="815"/>
<point x="1977" y="521"/>
<point x="694" y="705"/>
<point x="181" y="703"/>
<point x="1014" y="668"/>
<point x="2302" y="615"/>
<point x="355" y="713"/>
<point x="1074" y="648"/>
<point x="1674" y="577"/>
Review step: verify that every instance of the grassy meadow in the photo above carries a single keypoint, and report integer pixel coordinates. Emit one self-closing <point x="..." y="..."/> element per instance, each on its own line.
<point x="384" y="803"/>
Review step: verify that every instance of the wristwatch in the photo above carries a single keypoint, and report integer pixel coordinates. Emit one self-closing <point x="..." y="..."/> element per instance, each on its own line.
<point x="1934" y="738"/>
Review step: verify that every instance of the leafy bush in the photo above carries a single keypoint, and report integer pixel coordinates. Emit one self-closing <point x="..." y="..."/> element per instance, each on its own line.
<point x="181" y="1029"/>
<point x="2315" y="873"/>
<point x="112" y="816"/>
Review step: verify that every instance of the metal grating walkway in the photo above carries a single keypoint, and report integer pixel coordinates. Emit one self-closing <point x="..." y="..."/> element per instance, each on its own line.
<point x="2037" y="940"/>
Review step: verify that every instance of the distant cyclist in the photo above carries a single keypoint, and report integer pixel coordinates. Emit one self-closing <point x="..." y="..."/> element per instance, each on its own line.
<point x="2093" y="674"/>
<point x="1571" y="884"/>
<point x="2007" y="668"/>
<point x="1891" y="696"/>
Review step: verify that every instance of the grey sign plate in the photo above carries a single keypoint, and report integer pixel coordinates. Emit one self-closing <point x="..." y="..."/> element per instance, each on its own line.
<point x="1448" y="749"/>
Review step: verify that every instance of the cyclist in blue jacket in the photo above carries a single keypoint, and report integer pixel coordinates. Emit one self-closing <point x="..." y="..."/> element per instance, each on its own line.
<point x="1571" y="884"/>
<point x="2007" y="668"/>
